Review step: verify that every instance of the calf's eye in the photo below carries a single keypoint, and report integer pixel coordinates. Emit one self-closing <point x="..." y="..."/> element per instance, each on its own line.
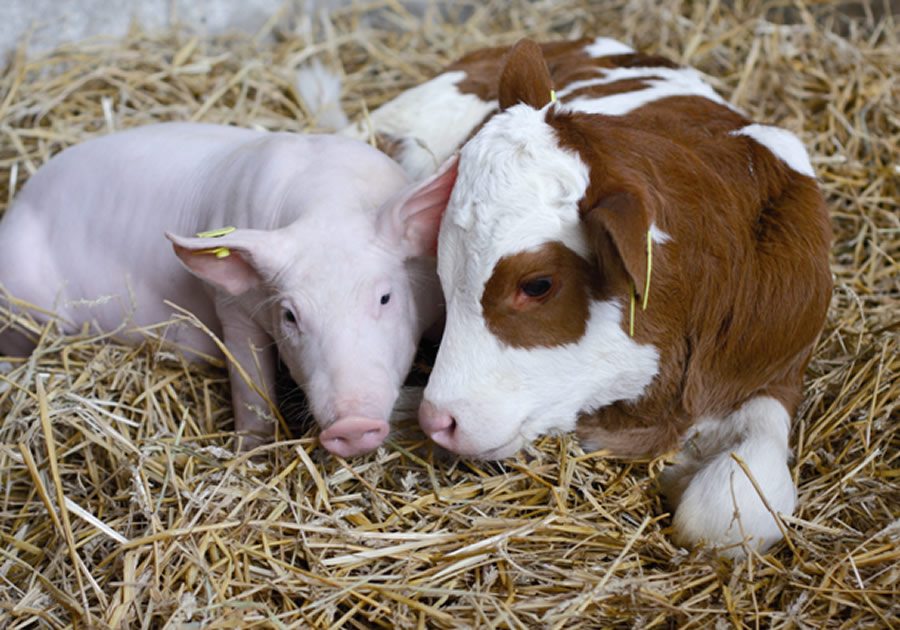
<point x="385" y="298"/>
<point x="537" y="287"/>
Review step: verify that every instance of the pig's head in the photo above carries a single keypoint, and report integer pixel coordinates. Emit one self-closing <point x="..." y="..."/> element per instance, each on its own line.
<point x="530" y="338"/>
<point x="344" y="299"/>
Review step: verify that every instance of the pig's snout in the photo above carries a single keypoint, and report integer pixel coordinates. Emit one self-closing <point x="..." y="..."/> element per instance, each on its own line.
<point x="439" y="425"/>
<point x="354" y="435"/>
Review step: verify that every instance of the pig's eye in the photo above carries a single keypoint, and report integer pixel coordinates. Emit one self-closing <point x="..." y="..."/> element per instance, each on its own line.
<point x="385" y="298"/>
<point x="289" y="316"/>
<point x="537" y="287"/>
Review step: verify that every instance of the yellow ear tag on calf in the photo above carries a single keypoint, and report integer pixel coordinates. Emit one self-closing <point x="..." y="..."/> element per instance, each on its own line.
<point x="649" y="270"/>
<point x="553" y="98"/>
<point x="631" y="312"/>
<point x="218" y="252"/>
<point x="646" y="286"/>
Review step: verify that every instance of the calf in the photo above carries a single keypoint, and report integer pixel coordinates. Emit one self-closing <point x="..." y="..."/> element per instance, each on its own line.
<point x="638" y="262"/>
<point x="331" y="262"/>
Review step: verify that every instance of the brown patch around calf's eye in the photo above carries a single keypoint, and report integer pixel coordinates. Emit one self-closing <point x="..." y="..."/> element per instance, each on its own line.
<point x="539" y="298"/>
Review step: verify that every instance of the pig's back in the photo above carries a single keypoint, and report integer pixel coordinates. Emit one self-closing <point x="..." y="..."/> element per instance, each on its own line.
<point x="89" y="185"/>
<point x="89" y="225"/>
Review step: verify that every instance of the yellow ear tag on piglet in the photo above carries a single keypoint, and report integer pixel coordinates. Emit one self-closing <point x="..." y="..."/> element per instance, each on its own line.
<point x="218" y="252"/>
<point x="553" y="98"/>
<point x="217" y="232"/>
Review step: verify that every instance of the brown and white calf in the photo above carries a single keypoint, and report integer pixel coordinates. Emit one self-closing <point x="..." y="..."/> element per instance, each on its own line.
<point x="637" y="261"/>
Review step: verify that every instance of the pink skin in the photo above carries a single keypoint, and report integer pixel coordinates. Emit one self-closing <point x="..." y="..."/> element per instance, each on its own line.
<point x="438" y="425"/>
<point x="331" y="267"/>
<point x="442" y="428"/>
<point x="352" y="435"/>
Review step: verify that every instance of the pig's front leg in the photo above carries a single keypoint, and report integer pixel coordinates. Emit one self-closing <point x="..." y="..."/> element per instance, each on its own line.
<point x="255" y="351"/>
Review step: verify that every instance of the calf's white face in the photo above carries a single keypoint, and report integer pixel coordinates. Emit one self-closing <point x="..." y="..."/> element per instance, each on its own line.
<point x="526" y="345"/>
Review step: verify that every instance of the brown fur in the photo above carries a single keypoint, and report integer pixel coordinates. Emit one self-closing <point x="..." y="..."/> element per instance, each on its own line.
<point x="566" y="61"/>
<point x="391" y="145"/>
<point x="737" y="297"/>
<point x="614" y="87"/>
<point x="558" y="318"/>
<point x="525" y="77"/>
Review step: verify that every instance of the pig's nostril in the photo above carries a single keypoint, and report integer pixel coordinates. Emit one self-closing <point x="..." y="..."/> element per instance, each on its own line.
<point x="354" y="435"/>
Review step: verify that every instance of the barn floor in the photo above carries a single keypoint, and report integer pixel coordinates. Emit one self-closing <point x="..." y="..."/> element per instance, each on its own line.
<point x="122" y="505"/>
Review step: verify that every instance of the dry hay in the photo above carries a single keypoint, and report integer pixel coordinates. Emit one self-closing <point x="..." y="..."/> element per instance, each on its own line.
<point x="121" y="504"/>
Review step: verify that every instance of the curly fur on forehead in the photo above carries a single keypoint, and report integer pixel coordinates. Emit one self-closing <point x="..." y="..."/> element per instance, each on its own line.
<point x="517" y="187"/>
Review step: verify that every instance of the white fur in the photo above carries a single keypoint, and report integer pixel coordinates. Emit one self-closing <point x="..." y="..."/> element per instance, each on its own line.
<point x="320" y="89"/>
<point x="503" y="397"/>
<point x="517" y="188"/>
<point x="783" y="144"/>
<point x="658" y="235"/>
<point x="433" y="119"/>
<point x="715" y="501"/>
<point x="603" y="46"/>
<point x="669" y="82"/>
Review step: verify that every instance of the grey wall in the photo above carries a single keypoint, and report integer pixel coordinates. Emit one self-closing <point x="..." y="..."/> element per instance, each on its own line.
<point x="47" y="23"/>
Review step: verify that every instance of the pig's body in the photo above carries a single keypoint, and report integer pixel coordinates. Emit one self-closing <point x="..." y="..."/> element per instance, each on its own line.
<point x="85" y="239"/>
<point x="89" y="226"/>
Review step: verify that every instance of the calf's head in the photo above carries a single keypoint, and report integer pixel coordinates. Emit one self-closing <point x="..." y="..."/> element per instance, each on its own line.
<point x="532" y="264"/>
<point x="344" y="302"/>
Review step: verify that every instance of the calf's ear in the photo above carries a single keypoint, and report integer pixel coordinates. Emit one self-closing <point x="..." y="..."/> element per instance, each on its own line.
<point x="617" y="228"/>
<point x="236" y="262"/>
<point x="525" y="77"/>
<point x="413" y="218"/>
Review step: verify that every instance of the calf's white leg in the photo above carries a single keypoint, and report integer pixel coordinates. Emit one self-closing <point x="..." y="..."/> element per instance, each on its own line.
<point x="714" y="500"/>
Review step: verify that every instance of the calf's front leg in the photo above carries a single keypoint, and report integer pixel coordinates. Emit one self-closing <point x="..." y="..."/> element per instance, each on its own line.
<point x="715" y="502"/>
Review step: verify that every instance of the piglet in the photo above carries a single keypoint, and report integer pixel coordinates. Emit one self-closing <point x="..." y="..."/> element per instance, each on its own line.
<point x="330" y="264"/>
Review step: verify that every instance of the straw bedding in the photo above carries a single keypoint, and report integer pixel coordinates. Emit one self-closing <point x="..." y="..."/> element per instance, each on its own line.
<point x="122" y="504"/>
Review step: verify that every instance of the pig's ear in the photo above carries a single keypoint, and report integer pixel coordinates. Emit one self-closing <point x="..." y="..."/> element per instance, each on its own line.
<point x="414" y="217"/>
<point x="235" y="263"/>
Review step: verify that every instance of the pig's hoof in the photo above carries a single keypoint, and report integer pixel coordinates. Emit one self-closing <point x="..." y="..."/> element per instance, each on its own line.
<point x="247" y="441"/>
